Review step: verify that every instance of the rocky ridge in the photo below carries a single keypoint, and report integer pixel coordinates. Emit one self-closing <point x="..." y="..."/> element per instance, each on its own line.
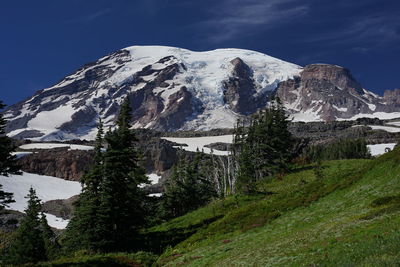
<point x="329" y="92"/>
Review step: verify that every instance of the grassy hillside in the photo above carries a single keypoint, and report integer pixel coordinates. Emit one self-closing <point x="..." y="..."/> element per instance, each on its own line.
<point x="107" y="260"/>
<point x="349" y="215"/>
<point x="343" y="213"/>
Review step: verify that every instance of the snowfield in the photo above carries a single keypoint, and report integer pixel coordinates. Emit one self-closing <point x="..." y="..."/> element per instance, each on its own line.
<point x="206" y="72"/>
<point x="155" y="195"/>
<point x="394" y="123"/>
<point x="21" y="154"/>
<point x="54" y="145"/>
<point x="385" y="128"/>
<point x="153" y="178"/>
<point x="199" y="143"/>
<point x="379" y="115"/>
<point x="47" y="121"/>
<point x="379" y="149"/>
<point x="47" y="188"/>
<point x="308" y="116"/>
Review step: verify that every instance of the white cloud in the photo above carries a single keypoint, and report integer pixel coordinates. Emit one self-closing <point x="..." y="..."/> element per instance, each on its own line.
<point x="364" y="32"/>
<point x="236" y="18"/>
<point x="90" y="17"/>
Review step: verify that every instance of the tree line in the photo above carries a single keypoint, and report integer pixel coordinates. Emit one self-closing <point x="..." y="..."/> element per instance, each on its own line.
<point x="338" y="149"/>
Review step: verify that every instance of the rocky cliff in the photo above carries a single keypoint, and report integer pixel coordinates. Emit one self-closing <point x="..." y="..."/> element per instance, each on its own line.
<point x="158" y="156"/>
<point x="61" y="162"/>
<point x="329" y="93"/>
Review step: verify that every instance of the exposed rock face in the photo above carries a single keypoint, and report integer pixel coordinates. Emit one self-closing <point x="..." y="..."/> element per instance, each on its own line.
<point x="148" y="106"/>
<point x="325" y="132"/>
<point x="175" y="114"/>
<point x="159" y="155"/>
<point x="329" y="92"/>
<point x="62" y="163"/>
<point x="62" y="208"/>
<point x="241" y="93"/>
<point x="392" y="99"/>
<point x="10" y="219"/>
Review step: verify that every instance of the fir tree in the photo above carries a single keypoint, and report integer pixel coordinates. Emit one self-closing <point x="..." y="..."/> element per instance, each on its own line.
<point x="51" y="245"/>
<point x="28" y="245"/>
<point x="82" y="231"/>
<point x="172" y="203"/>
<point x="246" y="177"/>
<point x="8" y="163"/>
<point x="264" y="148"/>
<point x="188" y="188"/>
<point x="339" y="149"/>
<point x="121" y="212"/>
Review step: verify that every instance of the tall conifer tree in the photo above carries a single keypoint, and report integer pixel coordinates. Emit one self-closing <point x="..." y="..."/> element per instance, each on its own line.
<point x="121" y="211"/>
<point x="264" y="148"/>
<point x="188" y="179"/>
<point x="83" y="229"/>
<point x="51" y="245"/>
<point x="8" y="163"/>
<point x="28" y="245"/>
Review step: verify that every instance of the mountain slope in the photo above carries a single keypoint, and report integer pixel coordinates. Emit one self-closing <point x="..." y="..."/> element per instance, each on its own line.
<point x="177" y="89"/>
<point x="349" y="217"/>
<point x="170" y="88"/>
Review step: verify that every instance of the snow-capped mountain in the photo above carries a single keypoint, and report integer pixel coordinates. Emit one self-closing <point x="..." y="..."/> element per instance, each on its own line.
<point x="170" y="89"/>
<point x="177" y="89"/>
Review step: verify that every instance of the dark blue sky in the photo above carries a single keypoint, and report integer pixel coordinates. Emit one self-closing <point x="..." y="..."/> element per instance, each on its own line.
<point x="41" y="41"/>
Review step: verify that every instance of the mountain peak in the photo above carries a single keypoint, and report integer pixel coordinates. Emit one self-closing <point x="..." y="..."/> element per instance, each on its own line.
<point x="177" y="89"/>
<point x="170" y="89"/>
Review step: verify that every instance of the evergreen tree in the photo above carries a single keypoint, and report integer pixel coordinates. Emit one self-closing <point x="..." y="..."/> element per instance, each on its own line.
<point x="121" y="211"/>
<point x="110" y="209"/>
<point x="189" y="187"/>
<point x="246" y="177"/>
<point x="28" y="245"/>
<point x="82" y="231"/>
<point x="8" y="163"/>
<point x="172" y="203"/>
<point x="5" y="198"/>
<point x="340" y="149"/>
<point x="264" y="148"/>
<point x="51" y="245"/>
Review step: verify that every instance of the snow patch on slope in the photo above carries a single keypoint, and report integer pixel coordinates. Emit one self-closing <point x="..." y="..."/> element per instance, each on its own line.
<point x="47" y="188"/>
<point x="55" y="145"/>
<point x="394" y="123"/>
<point x="194" y="144"/>
<point x="385" y="128"/>
<point x="309" y="115"/>
<point x="47" y="121"/>
<point x="379" y="149"/>
<point x="379" y="115"/>
<point x="21" y="154"/>
<point x="154" y="178"/>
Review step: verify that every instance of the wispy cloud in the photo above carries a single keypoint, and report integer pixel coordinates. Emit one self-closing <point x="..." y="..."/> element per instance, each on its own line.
<point x="90" y="17"/>
<point x="237" y="18"/>
<point x="364" y="33"/>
